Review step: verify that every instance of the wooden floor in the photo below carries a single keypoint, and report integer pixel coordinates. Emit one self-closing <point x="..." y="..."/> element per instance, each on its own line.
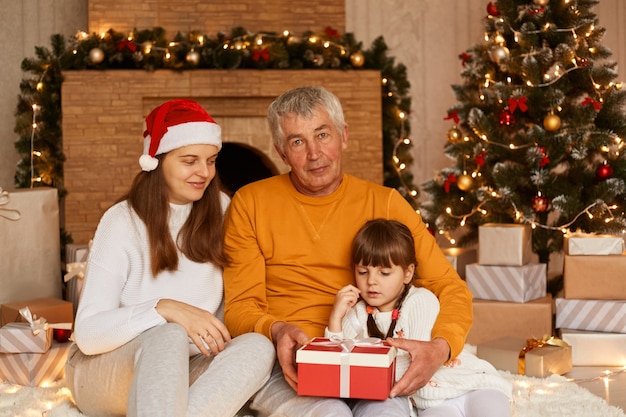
<point x="605" y="382"/>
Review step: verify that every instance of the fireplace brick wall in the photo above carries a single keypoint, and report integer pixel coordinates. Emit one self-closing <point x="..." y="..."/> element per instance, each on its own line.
<point x="104" y="111"/>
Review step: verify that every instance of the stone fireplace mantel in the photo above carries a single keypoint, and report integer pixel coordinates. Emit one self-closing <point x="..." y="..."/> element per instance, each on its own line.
<point x="104" y="111"/>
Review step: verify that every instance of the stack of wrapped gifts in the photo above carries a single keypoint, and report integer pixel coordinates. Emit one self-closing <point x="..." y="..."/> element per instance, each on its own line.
<point x="512" y="308"/>
<point x="591" y="314"/>
<point x="34" y="340"/>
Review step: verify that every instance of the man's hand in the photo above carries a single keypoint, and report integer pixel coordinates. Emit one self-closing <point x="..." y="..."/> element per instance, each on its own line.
<point x="287" y="339"/>
<point x="426" y="358"/>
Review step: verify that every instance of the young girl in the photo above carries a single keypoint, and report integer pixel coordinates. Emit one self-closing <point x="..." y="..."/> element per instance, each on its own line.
<point x="149" y="334"/>
<point x="385" y="304"/>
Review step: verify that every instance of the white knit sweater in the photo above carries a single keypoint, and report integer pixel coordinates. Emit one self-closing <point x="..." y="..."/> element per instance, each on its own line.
<point x="417" y="317"/>
<point x="120" y="293"/>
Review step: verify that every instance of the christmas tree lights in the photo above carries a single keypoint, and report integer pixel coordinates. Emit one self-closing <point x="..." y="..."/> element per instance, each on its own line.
<point x="538" y="129"/>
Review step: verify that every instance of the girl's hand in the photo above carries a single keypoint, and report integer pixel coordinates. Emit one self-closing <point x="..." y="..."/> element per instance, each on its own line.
<point x="345" y="299"/>
<point x="206" y="331"/>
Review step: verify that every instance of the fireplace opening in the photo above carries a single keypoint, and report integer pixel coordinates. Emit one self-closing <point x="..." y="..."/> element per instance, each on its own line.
<point x="239" y="164"/>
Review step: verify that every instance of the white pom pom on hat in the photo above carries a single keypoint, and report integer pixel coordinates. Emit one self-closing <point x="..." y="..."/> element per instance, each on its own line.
<point x="174" y="124"/>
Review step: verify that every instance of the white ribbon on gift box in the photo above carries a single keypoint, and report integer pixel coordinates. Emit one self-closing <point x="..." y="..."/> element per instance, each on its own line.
<point x="344" y="357"/>
<point x="9" y="214"/>
<point x="36" y="325"/>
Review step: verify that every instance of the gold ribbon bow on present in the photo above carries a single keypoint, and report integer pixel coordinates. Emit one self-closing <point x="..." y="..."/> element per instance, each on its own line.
<point x="36" y="325"/>
<point x="9" y="214"/>
<point x="536" y="343"/>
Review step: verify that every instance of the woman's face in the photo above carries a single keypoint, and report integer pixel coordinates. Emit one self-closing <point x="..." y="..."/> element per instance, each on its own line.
<point x="188" y="171"/>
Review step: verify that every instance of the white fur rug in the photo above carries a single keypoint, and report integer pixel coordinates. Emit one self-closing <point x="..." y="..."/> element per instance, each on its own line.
<point x="532" y="397"/>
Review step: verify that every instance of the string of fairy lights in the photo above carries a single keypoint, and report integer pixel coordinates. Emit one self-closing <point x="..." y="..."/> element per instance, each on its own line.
<point x="256" y="45"/>
<point x="499" y="53"/>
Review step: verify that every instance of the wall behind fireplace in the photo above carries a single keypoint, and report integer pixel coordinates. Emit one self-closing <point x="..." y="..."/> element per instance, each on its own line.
<point x="104" y="112"/>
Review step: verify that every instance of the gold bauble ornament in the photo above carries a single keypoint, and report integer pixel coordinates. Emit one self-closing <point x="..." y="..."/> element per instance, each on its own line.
<point x="552" y="122"/>
<point x="96" y="55"/>
<point x="454" y="134"/>
<point x="464" y="182"/>
<point x="357" y="59"/>
<point x="499" y="54"/>
<point x="541" y="2"/>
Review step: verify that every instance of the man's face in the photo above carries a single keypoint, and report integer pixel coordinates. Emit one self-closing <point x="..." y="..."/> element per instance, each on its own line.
<point x="313" y="148"/>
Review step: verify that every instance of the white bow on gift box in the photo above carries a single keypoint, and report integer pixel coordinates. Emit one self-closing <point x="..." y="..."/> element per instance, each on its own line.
<point x="75" y="270"/>
<point x="37" y="325"/>
<point x="348" y="344"/>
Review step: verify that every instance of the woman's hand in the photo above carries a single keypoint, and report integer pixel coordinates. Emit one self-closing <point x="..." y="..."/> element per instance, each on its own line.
<point x="205" y="330"/>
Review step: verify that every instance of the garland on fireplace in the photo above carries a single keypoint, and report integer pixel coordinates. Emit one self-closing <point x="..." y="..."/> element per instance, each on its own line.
<point x="38" y="114"/>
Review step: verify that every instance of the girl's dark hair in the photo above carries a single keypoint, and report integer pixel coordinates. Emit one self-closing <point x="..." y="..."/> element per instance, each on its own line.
<point x="200" y="238"/>
<point x="384" y="243"/>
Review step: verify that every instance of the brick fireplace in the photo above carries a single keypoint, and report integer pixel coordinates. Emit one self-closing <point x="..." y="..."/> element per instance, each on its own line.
<point x="104" y="111"/>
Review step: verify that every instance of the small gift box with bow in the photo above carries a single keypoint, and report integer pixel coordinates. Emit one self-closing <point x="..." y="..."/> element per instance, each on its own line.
<point x="534" y="357"/>
<point x="362" y="369"/>
<point x="32" y="337"/>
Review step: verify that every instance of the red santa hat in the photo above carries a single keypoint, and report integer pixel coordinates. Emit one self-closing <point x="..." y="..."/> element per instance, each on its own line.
<point x="174" y="124"/>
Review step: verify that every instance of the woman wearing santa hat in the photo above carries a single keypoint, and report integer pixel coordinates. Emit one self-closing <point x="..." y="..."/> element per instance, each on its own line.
<point x="149" y="335"/>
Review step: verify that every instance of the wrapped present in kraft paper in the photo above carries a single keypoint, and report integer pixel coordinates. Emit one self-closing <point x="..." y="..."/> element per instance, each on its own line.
<point x="596" y="348"/>
<point x="32" y="337"/>
<point x="532" y="357"/>
<point x="35" y="369"/>
<point x="504" y="244"/>
<point x="593" y="315"/>
<point x="594" y="277"/>
<point x="593" y="244"/>
<point x="507" y="283"/>
<point x="498" y="319"/>
<point x="29" y="238"/>
<point x="460" y="258"/>
<point x="346" y="368"/>
<point x="57" y="312"/>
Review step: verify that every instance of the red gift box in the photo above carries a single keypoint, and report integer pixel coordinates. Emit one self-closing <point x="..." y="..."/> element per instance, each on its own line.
<point x="346" y="369"/>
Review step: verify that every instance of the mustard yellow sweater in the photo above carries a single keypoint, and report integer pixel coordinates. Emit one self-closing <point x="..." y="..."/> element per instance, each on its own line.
<point x="290" y="254"/>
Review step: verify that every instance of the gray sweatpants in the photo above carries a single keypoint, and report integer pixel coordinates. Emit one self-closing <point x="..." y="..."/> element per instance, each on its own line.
<point x="278" y="399"/>
<point x="153" y="376"/>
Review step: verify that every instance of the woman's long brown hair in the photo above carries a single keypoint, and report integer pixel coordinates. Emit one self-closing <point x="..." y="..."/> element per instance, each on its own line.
<point x="200" y="238"/>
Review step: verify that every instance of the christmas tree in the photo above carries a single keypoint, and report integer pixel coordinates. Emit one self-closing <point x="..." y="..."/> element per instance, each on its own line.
<point x="537" y="133"/>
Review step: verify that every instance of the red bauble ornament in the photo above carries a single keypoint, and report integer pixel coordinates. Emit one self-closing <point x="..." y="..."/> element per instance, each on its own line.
<point x="61" y="335"/>
<point x="506" y="118"/>
<point x="492" y="10"/>
<point x="604" y="172"/>
<point x="540" y="203"/>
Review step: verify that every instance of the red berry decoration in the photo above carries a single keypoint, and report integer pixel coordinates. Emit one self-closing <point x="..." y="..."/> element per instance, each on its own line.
<point x="604" y="172"/>
<point x="492" y="10"/>
<point x="540" y="203"/>
<point x="506" y="118"/>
